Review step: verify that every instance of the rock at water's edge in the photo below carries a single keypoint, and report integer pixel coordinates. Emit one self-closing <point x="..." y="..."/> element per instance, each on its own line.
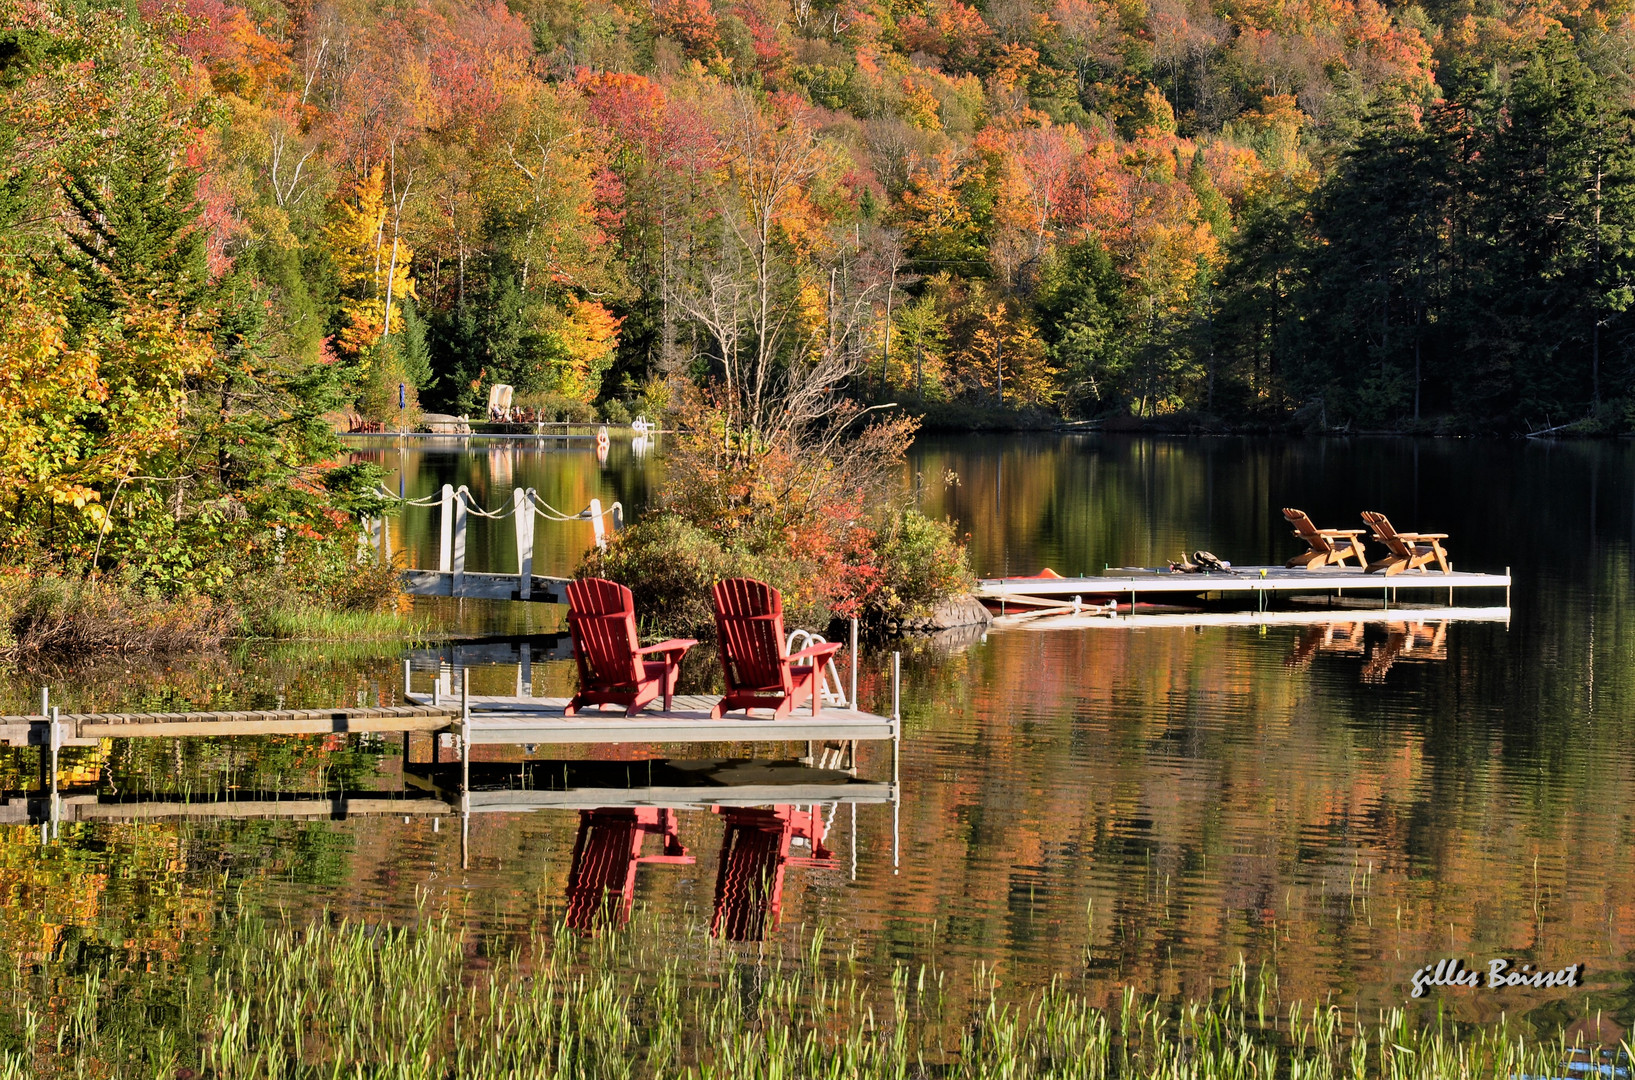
<point x="947" y="615"/>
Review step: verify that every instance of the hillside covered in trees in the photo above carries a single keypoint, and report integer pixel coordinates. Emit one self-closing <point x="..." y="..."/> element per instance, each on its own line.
<point x="1297" y="213"/>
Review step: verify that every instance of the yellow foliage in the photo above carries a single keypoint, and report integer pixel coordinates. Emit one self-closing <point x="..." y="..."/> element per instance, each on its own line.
<point x="76" y="419"/>
<point x="372" y="263"/>
<point x="588" y="336"/>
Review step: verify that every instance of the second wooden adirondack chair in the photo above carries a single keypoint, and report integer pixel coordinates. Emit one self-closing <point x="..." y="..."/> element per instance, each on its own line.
<point x="760" y="671"/>
<point x="613" y="667"/>
<point x="1326" y="545"/>
<point x="1405" y="551"/>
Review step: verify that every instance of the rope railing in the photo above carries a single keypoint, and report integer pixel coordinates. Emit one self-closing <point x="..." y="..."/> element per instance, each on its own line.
<point x="457" y="504"/>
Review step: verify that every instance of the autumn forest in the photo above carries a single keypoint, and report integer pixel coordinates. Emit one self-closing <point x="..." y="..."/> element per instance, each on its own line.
<point x="1324" y="213"/>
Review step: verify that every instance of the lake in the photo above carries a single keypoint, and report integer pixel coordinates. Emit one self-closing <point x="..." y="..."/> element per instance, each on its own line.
<point x="1120" y="807"/>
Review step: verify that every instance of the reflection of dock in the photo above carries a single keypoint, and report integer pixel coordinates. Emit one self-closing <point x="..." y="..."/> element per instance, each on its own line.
<point x="1258" y="584"/>
<point x="696" y="784"/>
<point x="239" y="805"/>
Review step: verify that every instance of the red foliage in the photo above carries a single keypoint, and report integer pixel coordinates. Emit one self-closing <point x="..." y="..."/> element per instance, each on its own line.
<point x="690" y="22"/>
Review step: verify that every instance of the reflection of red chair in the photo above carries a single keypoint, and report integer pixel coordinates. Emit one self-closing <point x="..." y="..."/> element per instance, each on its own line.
<point x="613" y="669"/>
<point x="602" y="881"/>
<point x="754" y="855"/>
<point x="760" y="672"/>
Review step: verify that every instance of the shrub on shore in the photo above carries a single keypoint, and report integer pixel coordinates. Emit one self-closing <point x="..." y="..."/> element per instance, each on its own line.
<point x="816" y="518"/>
<point x="60" y="616"/>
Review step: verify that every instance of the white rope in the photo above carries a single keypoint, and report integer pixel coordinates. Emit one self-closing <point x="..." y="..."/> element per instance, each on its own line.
<point x="463" y="493"/>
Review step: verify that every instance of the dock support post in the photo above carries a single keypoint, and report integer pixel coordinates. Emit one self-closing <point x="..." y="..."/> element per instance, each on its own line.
<point x="407" y="685"/>
<point x="445" y="535"/>
<point x="465" y="770"/>
<point x="851" y="699"/>
<point x="525" y="671"/>
<point x="56" y="744"/>
<point x="523" y="506"/>
<point x="595" y="512"/>
<point x="896" y="749"/>
<point x="457" y="585"/>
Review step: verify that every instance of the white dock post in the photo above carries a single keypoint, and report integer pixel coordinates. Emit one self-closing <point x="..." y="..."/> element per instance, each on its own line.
<point x="56" y="743"/>
<point x="457" y="586"/>
<point x="595" y="512"/>
<point x="406" y="684"/>
<point x="896" y="750"/>
<point x="522" y="505"/>
<point x="465" y="770"/>
<point x="852" y="698"/>
<point x="445" y="536"/>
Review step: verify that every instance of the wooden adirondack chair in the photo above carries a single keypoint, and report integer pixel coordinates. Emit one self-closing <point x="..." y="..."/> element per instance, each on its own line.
<point x="760" y="671"/>
<point x="1405" y="551"/>
<point x="613" y="667"/>
<point x="1326" y="545"/>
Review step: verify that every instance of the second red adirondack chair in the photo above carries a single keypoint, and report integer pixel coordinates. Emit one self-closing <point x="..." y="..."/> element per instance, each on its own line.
<point x="613" y="667"/>
<point x="760" y="671"/>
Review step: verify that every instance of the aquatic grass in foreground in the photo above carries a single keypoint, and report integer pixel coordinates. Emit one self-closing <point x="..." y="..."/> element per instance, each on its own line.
<point x="359" y="1000"/>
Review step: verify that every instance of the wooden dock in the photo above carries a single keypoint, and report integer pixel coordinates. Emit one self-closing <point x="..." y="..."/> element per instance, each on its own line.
<point x="513" y="720"/>
<point x="1128" y="585"/>
<point x="520" y="719"/>
<point x="1065" y="619"/>
<point x="467" y="586"/>
<point x="80" y="728"/>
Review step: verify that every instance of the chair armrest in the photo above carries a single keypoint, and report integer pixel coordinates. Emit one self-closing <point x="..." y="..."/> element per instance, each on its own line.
<point x="1422" y="536"/>
<point x="816" y="652"/>
<point x="1341" y="532"/>
<point x="680" y="645"/>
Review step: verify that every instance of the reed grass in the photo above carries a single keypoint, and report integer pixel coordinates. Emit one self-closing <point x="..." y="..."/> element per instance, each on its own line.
<point x="331" y="1000"/>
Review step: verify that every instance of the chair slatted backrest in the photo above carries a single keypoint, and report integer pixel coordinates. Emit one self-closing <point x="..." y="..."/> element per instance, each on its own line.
<point x="1387" y="535"/>
<point x="1305" y="530"/>
<point x="602" y="622"/>
<point x="749" y="882"/>
<point x="604" y="867"/>
<point x="749" y="622"/>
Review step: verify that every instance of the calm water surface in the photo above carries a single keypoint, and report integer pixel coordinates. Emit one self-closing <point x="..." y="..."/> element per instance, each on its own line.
<point x="1123" y="807"/>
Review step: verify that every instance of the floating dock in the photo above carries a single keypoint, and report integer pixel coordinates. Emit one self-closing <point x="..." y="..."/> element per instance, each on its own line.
<point x="1127" y="586"/>
<point x="1058" y="618"/>
<point x="523" y="720"/>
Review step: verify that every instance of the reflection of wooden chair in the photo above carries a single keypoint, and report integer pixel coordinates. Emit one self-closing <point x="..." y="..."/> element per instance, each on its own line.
<point x="1405" y="551"/>
<point x="760" y="672"/>
<point x="1326" y="545"/>
<point x="1336" y="637"/>
<point x="613" y="667"/>
<point x="1406" y="641"/>
<point x="754" y="856"/>
<point x="606" y="853"/>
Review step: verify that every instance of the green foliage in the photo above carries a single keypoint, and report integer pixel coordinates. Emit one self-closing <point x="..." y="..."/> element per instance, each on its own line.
<point x="922" y="563"/>
<point x="670" y="565"/>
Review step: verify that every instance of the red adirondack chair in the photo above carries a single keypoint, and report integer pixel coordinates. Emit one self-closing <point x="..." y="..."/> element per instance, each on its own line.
<point x="613" y="667"/>
<point x="760" y="671"/>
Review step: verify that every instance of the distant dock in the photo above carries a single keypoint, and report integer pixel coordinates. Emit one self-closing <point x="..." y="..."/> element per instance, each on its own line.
<point x="1246" y="586"/>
